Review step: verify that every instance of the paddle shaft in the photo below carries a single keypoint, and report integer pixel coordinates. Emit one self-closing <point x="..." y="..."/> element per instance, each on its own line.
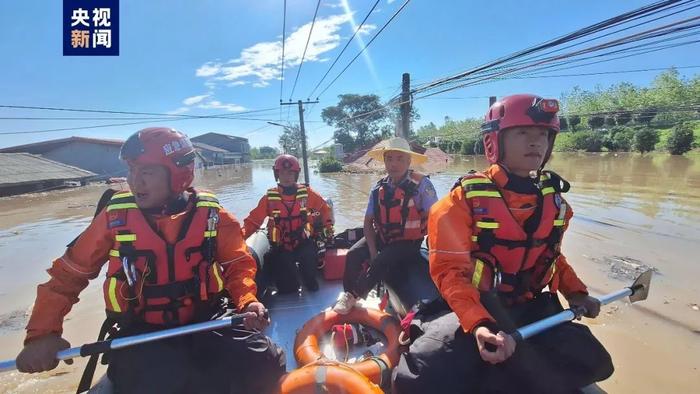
<point x="570" y="314"/>
<point x="90" y="349"/>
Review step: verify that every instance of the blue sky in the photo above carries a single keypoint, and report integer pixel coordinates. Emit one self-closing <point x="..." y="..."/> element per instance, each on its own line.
<point x="211" y="57"/>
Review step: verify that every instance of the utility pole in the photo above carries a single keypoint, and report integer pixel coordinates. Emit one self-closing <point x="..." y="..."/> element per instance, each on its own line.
<point x="405" y="128"/>
<point x="303" y="135"/>
<point x="492" y="99"/>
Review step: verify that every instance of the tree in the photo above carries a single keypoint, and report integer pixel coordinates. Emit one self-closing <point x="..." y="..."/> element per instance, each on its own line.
<point x="574" y="120"/>
<point x="645" y="139"/>
<point x="264" y="152"/>
<point x="646" y="115"/>
<point x="610" y="121"/>
<point x="359" y="120"/>
<point x="623" y="117"/>
<point x="680" y="140"/>
<point x="596" y="122"/>
<point x="290" y="140"/>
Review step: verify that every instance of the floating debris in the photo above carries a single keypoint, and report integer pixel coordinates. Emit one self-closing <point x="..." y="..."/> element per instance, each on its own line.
<point x="624" y="268"/>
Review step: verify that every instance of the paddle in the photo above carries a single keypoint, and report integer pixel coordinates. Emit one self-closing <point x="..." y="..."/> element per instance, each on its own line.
<point x="90" y="349"/>
<point x="637" y="292"/>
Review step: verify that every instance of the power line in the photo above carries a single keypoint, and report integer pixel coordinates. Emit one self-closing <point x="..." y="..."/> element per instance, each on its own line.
<point x="284" y="28"/>
<point x="313" y="22"/>
<point x="229" y="115"/>
<point x="646" y="10"/>
<point x="344" y="48"/>
<point x="365" y="47"/>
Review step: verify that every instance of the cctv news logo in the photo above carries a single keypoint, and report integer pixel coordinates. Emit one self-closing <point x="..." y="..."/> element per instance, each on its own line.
<point x="90" y="27"/>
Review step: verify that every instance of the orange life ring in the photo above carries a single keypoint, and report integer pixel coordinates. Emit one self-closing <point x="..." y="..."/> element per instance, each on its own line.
<point x="377" y="368"/>
<point x="326" y="377"/>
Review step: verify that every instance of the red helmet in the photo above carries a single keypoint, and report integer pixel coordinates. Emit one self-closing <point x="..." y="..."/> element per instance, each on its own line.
<point x="518" y="110"/>
<point x="166" y="147"/>
<point x="287" y="162"/>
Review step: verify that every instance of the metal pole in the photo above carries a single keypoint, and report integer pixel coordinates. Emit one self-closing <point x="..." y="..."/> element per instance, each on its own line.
<point x="405" y="128"/>
<point x="303" y="142"/>
<point x="637" y="292"/>
<point x="119" y="343"/>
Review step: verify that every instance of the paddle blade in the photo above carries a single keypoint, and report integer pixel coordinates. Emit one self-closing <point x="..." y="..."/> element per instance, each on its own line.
<point x="640" y="287"/>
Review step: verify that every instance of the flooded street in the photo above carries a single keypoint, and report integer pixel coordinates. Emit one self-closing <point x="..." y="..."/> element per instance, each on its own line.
<point x="630" y="212"/>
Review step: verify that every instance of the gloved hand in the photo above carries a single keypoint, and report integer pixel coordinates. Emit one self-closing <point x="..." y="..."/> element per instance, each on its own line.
<point x="39" y="355"/>
<point x="590" y="304"/>
<point x="257" y="317"/>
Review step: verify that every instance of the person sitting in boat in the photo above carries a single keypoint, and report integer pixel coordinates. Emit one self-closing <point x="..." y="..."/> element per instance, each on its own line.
<point x="298" y="217"/>
<point x="494" y="247"/>
<point x="172" y="253"/>
<point x="394" y="225"/>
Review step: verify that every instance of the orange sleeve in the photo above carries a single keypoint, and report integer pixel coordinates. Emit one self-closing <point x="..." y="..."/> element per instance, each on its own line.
<point x="70" y="274"/>
<point x="255" y="218"/>
<point x="449" y="238"/>
<point x="238" y="265"/>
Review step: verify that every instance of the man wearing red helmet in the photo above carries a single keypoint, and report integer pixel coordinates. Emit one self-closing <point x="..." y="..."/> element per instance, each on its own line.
<point x="298" y="218"/>
<point x="494" y="248"/>
<point x="172" y="254"/>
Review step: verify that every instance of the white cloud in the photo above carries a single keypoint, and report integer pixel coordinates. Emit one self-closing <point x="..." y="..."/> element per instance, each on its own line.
<point x="178" y="111"/>
<point x="390" y="1"/>
<point x="216" y="104"/>
<point x="208" y="69"/>
<point x="195" y="99"/>
<point x="366" y="29"/>
<point x="237" y="83"/>
<point x="332" y="5"/>
<point x="260" y="63"/>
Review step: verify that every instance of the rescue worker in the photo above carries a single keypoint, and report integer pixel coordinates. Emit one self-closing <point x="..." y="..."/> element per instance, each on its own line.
<point x="494" y="247"/>
<point x="172" y="252"/>
<point x="394" y="226"/>
<point x="298" y="218"/>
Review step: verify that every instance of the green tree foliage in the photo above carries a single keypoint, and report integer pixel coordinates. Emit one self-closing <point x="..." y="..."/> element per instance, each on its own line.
<point x="290" y="140"/>
<point x="618" y="138"/>
<point x="329" y="164"/>
<point x="680" y="140"/>
<point x="264" y="152"/>
<point x="453" y="136"/>
<point x="359" y="120"/>
<point x="645" y="139"/>
<point x="574" y="120"/>
<point x="623" y="117"/>
<point x="596" y="122"/>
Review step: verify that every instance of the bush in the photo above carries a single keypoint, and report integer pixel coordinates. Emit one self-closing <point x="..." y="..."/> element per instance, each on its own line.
<point x="329" y="164"/>
<point x="680" y="140"/>
<point x="588" y="141"/>
<point x="645" y="139"/>
<point x="619" y="139"/>
<point x="563" y="143"/>
<point x="574" y="120"/>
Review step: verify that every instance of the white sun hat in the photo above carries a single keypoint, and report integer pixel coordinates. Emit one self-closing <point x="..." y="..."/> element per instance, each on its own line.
<point x="400" y="145"/>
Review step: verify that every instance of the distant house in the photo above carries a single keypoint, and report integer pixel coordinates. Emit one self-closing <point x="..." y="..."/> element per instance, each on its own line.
<point x="237" y="147"/>
<point x="212" y="155"/>
<point x="26" y="173"/>
<point x="99" y="156"/>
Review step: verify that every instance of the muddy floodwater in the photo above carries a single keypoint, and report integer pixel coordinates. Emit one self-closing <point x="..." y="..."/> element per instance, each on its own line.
<point x="631" y="212"/>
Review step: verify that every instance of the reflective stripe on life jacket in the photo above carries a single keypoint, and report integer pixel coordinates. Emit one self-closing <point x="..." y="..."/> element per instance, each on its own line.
<point x="396" y="215"/>
<point x="505" y="255"/>
<point x="155" y="282"/>
<point x="288" y="226"/>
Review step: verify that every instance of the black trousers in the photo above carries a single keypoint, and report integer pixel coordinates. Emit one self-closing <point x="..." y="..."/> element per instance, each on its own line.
<point x="445" y="359"/>
<point x="360" y="276"/>
<point x="280" y="267"/>
<point x="232" y="360"/>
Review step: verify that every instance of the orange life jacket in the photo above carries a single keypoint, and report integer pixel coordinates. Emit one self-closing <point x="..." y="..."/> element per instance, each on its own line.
<point x="155" y="282"/>
<point x="506" y="257"/>
<point x="396" y="215"/>
<point x="287" y="227"/>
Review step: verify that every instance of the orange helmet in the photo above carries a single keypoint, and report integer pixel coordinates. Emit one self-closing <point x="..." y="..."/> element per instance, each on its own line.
<point x="287" y="162"/>
<point x="163" y="146"/>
